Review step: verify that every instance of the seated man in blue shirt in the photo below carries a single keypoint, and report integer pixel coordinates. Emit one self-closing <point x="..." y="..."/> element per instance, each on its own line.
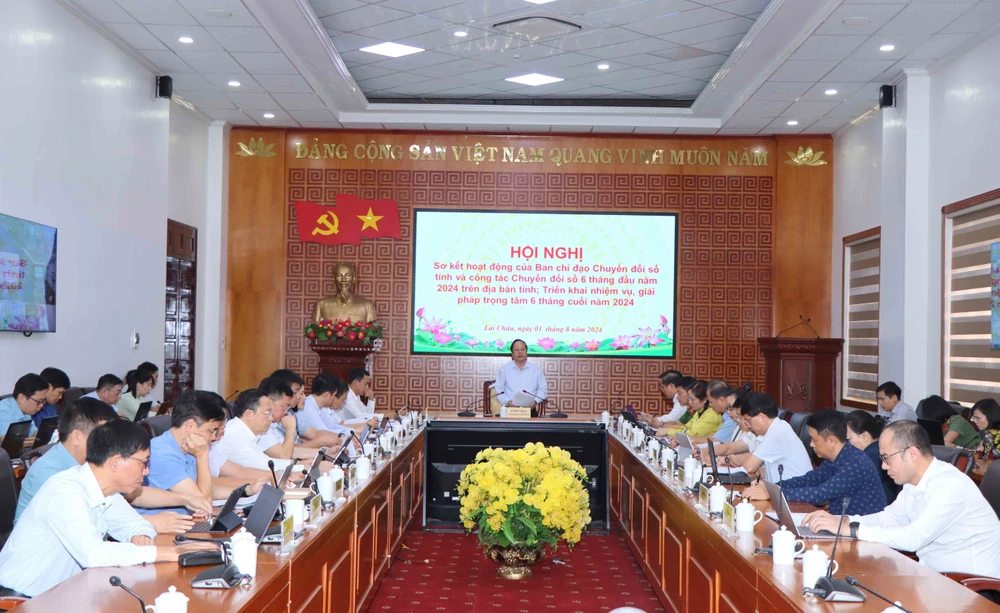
<point x="64" y="529"/>
<point x="310" y="429"/>
<point x="28" y="399"/>
<point x="520" y="376"/>
<point x="58" y="382"/>
<point x="845" y="472"/>
<point x="178" y="459"/>
<point x="77" y="422"/>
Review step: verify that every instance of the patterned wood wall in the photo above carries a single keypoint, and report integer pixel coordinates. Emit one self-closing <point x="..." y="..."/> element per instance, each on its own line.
<point x="727" y="293"/>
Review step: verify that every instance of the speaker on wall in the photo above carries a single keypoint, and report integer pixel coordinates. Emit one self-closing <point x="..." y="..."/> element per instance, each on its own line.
<point x="887" y="96"/>
<point x="164" y="87"/>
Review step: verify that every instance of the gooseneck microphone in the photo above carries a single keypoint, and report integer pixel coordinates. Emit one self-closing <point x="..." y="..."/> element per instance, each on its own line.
<point x="558" y="414"/>
<point x="116" y="581"/>
<point x="851" y="580"/>
<point x="829" y="588"/>
<point x="732" y="482"/>
<point x="465" y="412"/>
<point x="781" y="482"/>
<point x="281" y="506"/>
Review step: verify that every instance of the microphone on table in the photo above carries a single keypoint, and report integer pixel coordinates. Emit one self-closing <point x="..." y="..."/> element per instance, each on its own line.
<point x="465" y="412"/>
<point x="558" y="414"/>
<point x="851" y="580"/>
<point x="231" y="395"/>
<point x="281" y="507"/>
<point x="829" y="588"/>
<point x="781" y="482"/>
<point x="617" y="400"/>
<point x="183" y="538"/>
<point x="732" y="482"/>
<point x="117" y="582"/>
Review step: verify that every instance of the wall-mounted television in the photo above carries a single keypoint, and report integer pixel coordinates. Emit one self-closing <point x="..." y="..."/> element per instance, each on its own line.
<point x="27" y="276"/>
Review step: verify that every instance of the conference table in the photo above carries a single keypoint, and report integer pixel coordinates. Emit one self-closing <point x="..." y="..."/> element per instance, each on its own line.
<point x="691" y="561"/>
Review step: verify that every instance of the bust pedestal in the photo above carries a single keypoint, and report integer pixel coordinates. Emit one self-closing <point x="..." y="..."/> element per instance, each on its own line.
<point x="338" y="359"/>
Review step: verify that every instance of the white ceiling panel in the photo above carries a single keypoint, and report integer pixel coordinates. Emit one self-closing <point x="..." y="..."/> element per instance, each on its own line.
<point x="858" y="71"/>
<point x="104" y="11"/>
<point x="167" y="61"/>
<point x="238" y="14"/>
<point x="594" y="39"/>
<point x="413" y="25"/>
<point x="810" y="108"/>
<point x="284" y="83"/>
<point x="680" y="21"/>
<point x="210" y="61"/>
<point x="803" y="71"/>
<point x="221" y="82"/>
<point x="819" y="47"/>
<point x="169" y="36"/>
<point x="136" y="36"/>
<point x="208" y="100"/>
<point x="250" y="40"/>
<point x="818" y="91"/>
<point x="743" y="8"/>
<point x="280" y="117"/>
<point x="254" y="102"/>
<point x="157" y="12"/>
<point x="414" y="61"/>
<point x="324" y="8"/>
<point x="364" y="17"/>
<point x="306" y="117"/>
<point x="265" y="63"/>
<point x="395" y="79"/>
<point x="438" y="70"/>
<point x="693" y="36"/>
<point x="921" y="18"/>
<point x="235" y="116"/>
<point x="780" y="126"/>
<point x="353" y="42"/>
<point x="724" y="45"/>
<point x="748" y="123"/>
<point x="877" y="14"/>
<point x="938" y="46"/>
<point x="979" y="18"/>
<point x="192" y="82"/>
<point x="638" y="11"/>
<point x="763" y="108"/>
<point x="300" y="102"/>
<point x="903" y="43"/>
<point x="777" y="90"/>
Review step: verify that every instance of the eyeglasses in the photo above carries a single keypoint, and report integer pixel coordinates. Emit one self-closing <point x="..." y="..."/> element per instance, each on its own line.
<point x="145" y="463"/>
<point x="38" y="401"/>
<point x="885" y="458"/>
<point x="266" y="413"/>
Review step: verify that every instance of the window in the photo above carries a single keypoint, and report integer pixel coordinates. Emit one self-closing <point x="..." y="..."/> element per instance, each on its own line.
<point x="971" y="368"/>
<point x="860" y="325"/>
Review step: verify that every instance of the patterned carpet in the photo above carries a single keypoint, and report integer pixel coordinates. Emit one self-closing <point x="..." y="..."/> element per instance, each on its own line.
<point x="448" y="572"/>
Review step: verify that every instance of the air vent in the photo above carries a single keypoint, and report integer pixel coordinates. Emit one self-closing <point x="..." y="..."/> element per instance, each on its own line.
<point x="537" y="28"/>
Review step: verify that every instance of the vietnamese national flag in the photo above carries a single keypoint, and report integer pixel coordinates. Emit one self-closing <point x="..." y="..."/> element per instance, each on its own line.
<point x="375" y="218"/>
<point x="326" y="225"/>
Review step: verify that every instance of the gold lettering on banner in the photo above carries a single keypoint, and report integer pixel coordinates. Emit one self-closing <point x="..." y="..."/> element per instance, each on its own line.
<point x="805" y="157"/>
<point x="485" y="153"/>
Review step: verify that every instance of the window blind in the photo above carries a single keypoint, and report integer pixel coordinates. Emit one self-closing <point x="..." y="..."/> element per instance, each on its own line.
<point x="972" y="369"/>
<point x="861" y="302"/>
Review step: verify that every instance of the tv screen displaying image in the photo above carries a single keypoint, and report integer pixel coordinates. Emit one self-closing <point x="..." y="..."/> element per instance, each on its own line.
<point x="27" y="276"/>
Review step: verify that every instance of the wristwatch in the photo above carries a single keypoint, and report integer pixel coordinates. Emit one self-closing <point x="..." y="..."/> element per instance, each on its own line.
<point x="854" y="529"/>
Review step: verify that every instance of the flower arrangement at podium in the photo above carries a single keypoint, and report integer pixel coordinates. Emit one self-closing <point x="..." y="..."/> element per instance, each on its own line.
<point x="346" y="332"/>
<point x="522" y="500"/>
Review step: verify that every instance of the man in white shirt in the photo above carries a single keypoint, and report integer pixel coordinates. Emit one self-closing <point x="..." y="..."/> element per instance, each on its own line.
<point x="251" y="418"/>
<point x="358" y="385"/>
<point x="109" y="390"/>
<point x="890" y="406"/>
<point x="279" y="441"/>
<point x="519" y="376"/>
<point x="309" y="428"/>
<point x="671" y="387"/>
<point x="940" y="513"/>
<point x="62" y="530"/>
<point x="778" y="444"/>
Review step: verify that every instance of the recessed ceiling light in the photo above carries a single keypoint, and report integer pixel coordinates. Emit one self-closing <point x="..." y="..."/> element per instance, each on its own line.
<point x="830" y="92"/>
<point x="218" y="13"/>
<point x="234" y="84"/>
<point x="855" y="21"/>
<point x="268" y="115"/>
<point x="461" y="33"/>
<point x="534" y="79"/>
<point x="887" y="47"/>
<point x="391" y="49"/>
<point x="187" y="40"/>
<point x="603" y="66"/>
<point x="539" y="1"/>
<point x="792" y="122"/>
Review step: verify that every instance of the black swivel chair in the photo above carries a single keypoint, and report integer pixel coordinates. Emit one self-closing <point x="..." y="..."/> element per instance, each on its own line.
<point x="962" y="459"/>
<point x="30" y="456"/>
<point x="990" y="487"/>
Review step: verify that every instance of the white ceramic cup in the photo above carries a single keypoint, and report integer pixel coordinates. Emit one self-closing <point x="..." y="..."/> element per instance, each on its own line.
<point x="814" y="565"/>
<point x="784" y="546"/>
<point x="324" y="485"/>
<point x="297" y="509"/>
<point x="170" y="601"/>
<point x="244" y="552"/>
<point x="717" y="497"/>
<point x="364" y="466"/>
<point x="747" y="516"/>
<point x="605" y="418"/>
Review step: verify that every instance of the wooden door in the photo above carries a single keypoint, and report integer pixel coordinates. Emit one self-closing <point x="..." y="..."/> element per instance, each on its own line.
<point x="179" y="334"/>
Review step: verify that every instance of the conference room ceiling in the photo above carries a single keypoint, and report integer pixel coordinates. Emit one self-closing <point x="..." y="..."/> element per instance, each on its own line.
<point x="672" y="66"/>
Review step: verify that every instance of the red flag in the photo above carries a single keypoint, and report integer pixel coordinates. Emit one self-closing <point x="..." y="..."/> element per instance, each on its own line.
<point x="326" y="225"/>
<point x="374" y="218"/>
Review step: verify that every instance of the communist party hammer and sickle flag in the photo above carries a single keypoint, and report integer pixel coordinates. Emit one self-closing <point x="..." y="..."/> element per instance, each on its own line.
<point x="348" y="222"/>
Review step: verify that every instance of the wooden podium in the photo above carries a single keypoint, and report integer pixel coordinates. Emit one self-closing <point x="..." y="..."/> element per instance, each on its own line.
<point x="338" y="360"/>
<point x="801" y="373"/>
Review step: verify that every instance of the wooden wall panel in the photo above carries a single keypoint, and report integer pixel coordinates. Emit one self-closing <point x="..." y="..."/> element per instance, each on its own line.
<point x="255" y="267"/>
<point x="729" y="237"/>
<point x="804" y="238"/>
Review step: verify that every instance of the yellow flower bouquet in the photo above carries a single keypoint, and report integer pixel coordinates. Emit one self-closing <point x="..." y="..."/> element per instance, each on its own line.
<point x="525" y="498"/>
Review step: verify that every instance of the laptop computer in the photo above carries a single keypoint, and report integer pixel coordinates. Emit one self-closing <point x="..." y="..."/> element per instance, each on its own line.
<point x="684" y="447"/>
<point x="739" y="477"/>
<point x="13" y="441"/>
<point x="259" y="521"/>
<point x="143" y="411"/>
<point x="227" y="519"/>
<point x="285" y="474"/>
<point x="45" y="432"/>
<point x="934" y="429"/>
<point x="313" y="473"/>
<point x="792" y="521"/>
